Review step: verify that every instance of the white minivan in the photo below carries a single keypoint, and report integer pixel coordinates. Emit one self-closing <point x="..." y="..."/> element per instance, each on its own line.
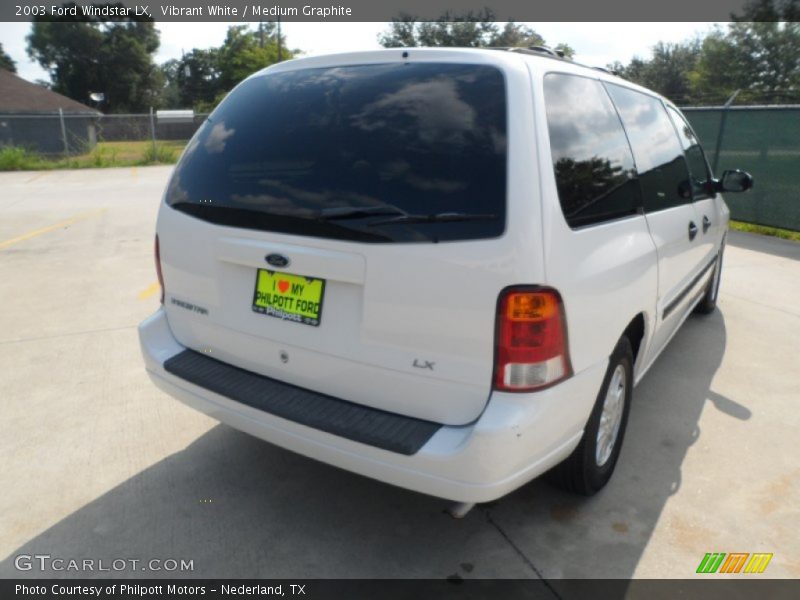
<point x="444" y="269"/>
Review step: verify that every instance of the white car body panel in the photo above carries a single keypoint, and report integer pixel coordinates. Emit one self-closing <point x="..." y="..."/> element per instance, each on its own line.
<point x="374" y="328"/>
<point x="375" y="322"/>
<point x="517" y="438"/>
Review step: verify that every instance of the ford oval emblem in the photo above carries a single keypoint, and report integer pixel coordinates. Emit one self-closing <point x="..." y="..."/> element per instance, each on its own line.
<point x="277" y="260"/>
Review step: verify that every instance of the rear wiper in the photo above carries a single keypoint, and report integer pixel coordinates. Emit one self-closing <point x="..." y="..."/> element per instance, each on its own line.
<point x="357" y="212"/>
<point x="443" y="217"/>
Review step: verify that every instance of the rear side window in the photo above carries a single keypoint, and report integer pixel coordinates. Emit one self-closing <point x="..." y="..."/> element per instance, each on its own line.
<point x="372" y="153"/>
<point x="592" y="160"/>
<point x="695" y="157"/>
<point x="658" y="153"/>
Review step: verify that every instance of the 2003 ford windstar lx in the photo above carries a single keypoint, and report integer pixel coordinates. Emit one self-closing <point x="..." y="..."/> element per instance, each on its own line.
<point x="444" y="269"/>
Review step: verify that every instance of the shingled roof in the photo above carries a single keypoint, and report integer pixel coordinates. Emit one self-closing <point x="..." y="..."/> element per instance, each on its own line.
<point x="20" y="96"/>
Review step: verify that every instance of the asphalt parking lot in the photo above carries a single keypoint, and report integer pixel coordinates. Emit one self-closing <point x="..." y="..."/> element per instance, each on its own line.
<point x="97" y="463"/>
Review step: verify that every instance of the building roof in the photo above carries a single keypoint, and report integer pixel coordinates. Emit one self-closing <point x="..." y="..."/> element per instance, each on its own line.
<point x="20" y="96"/>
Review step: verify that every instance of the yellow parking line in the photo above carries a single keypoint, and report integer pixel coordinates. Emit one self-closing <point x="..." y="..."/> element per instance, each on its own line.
<point x="149" y="291"/>
<point x="39" y="174"/>
<point x="30" y="234"/>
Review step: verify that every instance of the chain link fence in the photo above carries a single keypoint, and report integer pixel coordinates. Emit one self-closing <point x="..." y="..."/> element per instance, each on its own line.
<point x="55" y="135"/>
<point x="764" y="141"/>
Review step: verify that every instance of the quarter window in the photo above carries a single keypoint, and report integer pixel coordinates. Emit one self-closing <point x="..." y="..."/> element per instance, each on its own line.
<point x="658" y="153"/>
<point x="592" y="160"/>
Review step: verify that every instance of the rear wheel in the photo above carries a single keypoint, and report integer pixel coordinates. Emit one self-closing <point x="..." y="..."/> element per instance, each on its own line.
<point x="591" y="464"/>
<point x="709" y="301"/>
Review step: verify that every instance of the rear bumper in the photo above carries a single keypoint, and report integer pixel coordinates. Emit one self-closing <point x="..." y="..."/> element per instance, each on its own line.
<point x="516" y="438"/>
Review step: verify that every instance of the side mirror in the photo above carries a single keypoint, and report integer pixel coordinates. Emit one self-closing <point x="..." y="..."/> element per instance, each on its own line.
<point x="734" y="181"/>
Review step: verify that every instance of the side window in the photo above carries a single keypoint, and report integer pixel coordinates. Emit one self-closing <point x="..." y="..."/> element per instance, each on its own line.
<point x="695" y="157"/>
<point x="592" y="160"/>
<point x="658" y="153"/>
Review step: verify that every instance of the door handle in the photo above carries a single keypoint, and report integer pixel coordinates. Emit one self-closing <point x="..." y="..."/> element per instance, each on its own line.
<point x="692" y="230"/>
<point x="706" y="223"/>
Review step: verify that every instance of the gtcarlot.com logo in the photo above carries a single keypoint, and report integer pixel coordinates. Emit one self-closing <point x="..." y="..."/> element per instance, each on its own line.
<point x="46" y="562"/>
<point x="734" y="562"/>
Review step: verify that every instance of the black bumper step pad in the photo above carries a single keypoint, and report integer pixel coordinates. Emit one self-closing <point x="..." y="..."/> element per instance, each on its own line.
<point x="389" y="431"/>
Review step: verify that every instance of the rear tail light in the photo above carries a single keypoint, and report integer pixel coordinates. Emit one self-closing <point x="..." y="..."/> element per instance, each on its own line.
<point x="158" y="269"/>
<point x="531" y="340"/>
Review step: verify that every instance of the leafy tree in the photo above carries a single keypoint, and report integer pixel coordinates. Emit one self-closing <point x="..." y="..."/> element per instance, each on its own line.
<point x="170" y="92"/>
<point x="6" y="62"/>
<point x="202" y="77"/>
<point x="192" y="81"/>
<point x="114" y="57"/>
<point x="516" y="35"/>
<point x="667" y="72"/>
<point x="245" y="51"/>
<point x="759" y="54"/>
<point x="716" y="75"/>
<point x="402" y="33"/>
<point x="467" y="30"/>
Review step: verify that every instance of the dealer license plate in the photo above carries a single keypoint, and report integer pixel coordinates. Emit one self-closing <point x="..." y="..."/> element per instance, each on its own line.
<point x="289" y="297"/>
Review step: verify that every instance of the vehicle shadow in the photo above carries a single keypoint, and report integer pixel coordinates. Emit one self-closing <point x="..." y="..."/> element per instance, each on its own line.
<point x="605" y="536"/>
<point x="238" y="507"/>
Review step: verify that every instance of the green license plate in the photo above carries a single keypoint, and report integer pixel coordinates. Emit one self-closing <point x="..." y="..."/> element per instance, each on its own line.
<point x="289" y="297"/>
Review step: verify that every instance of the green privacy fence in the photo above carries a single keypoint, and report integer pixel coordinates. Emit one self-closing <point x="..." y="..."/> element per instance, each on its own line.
<point x="765" y="141"/>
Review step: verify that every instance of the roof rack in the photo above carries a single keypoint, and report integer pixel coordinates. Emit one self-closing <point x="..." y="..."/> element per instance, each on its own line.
<point x="551" y="53"/>
<point x="605" y="70"/>
<point x="547" y="50"/>
<point x="534" y="50"/>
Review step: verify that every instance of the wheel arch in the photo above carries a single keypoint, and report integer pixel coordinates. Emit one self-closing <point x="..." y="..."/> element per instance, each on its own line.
<point x="635" y="331"/>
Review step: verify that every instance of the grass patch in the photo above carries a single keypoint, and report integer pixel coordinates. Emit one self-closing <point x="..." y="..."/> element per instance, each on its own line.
<point x="784" y="234"/>
<point x="14" y="158"/>
<point x="160" y="154"/>
<point x="105" y="154"/>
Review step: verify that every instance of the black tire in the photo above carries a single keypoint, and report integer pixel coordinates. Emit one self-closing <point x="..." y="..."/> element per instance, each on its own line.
<point x="580" y="472"/>
<point x="709" y="301"/>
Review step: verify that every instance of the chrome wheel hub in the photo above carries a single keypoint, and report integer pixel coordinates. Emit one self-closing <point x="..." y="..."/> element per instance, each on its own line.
<point x="611" y="417"/>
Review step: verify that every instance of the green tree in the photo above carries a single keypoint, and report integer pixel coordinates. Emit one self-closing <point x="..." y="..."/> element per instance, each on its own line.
<point x="667" y="72"/>
<point x="170" y="92"/>
<point x="114" y="57"/>
<point x="202" y="77"/>
<point x="467" y="30"/>
<point x="759" y="54"/>
<point x="245" y="51"/>
<point x="6" y="62"/>
<point x="192" y="81"/>
<point x="516" y="35"/>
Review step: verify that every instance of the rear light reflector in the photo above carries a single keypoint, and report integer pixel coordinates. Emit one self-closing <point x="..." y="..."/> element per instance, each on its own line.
<point x="157" y="253"/>
<point x="531" y="340"/>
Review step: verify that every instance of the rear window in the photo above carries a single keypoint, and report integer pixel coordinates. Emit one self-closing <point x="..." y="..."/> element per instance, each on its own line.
<point x="372" y="153"/>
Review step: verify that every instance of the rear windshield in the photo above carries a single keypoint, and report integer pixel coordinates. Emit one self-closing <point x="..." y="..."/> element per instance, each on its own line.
<point x="372" y="153"/>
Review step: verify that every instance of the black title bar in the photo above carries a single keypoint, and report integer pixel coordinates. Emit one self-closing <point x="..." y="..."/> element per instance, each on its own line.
<point x="373" y="10"/>
<point x="708" y="588"/>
